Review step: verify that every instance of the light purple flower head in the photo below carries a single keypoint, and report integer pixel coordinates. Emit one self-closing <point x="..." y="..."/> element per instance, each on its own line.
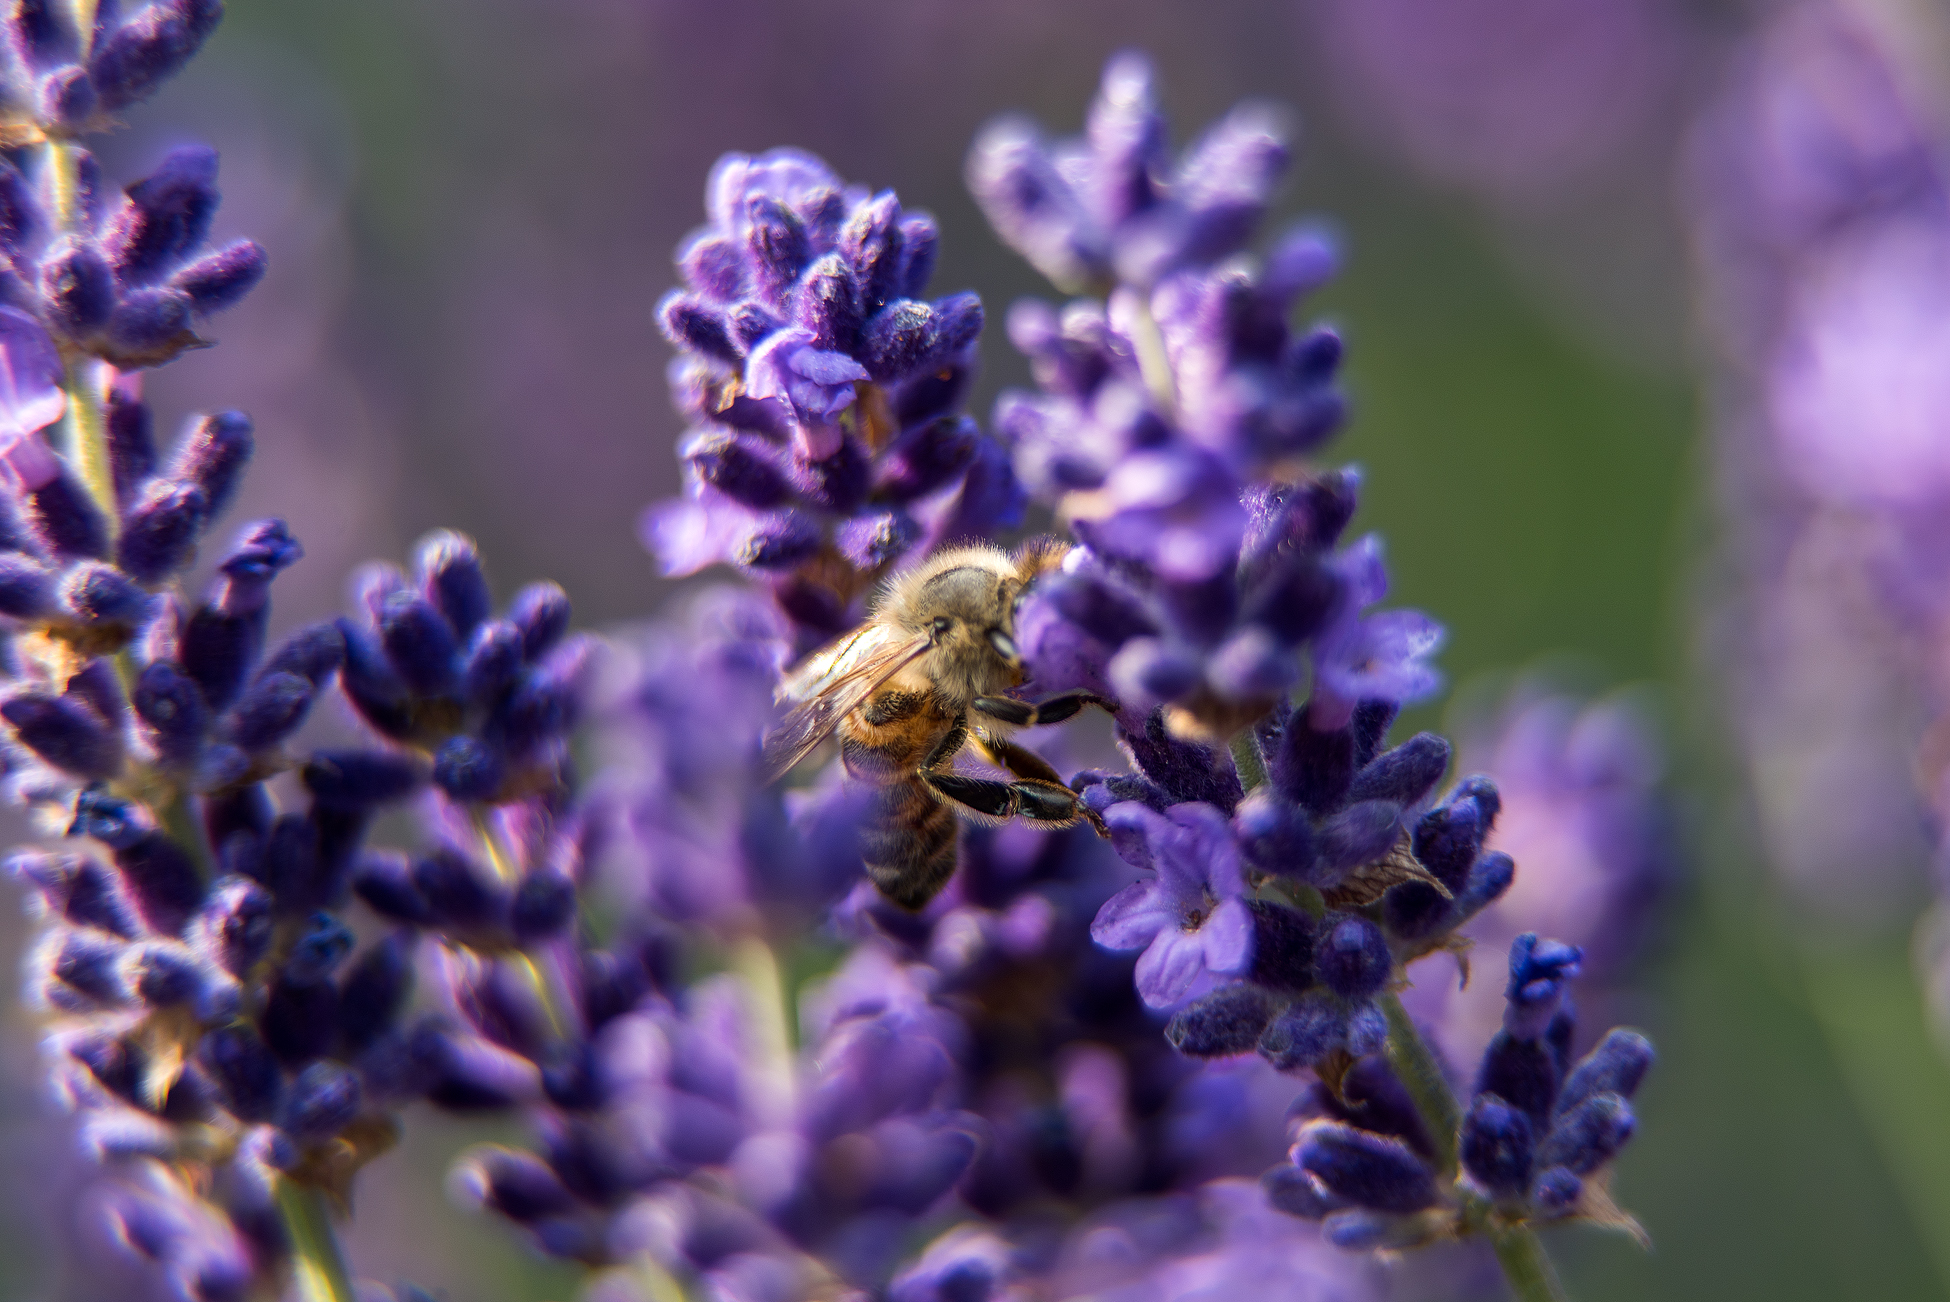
<point x="1191" y="919"/>
<point x="1361" y="657"/>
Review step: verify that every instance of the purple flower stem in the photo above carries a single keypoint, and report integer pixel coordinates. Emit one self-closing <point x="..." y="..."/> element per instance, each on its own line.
<point x="318" y="1272"/>
<point x="1526" y="1267"/>
<point x="85" y="423"/>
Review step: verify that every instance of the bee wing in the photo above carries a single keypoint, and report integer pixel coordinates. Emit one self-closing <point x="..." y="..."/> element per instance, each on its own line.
<point x="831" y="685"/>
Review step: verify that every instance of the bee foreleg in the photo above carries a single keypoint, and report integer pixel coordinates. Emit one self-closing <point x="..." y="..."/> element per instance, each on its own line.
<point x="1022" y="714"/>
<point x="1039" y="802"/>
<point x="1019" y="760"/>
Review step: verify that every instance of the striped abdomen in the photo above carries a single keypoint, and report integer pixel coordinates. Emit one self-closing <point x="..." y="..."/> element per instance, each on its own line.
<point x="908" y="842"/>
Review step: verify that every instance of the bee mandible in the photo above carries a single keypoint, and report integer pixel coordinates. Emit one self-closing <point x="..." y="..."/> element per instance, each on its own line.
<point x="924" y="677"/>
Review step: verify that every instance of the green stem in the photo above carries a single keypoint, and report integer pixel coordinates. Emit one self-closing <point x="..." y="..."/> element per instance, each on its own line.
<point x="318" y="1270"/>
<point x="1526" y="1266"/>
<point x="752" y="959"/>
<point x="179" y="820"/>
<point x="1420" y="1073"/>
<point x="85" y="426"/>
<point x="1154" y="362"/>
<point x="1246" y="758"/>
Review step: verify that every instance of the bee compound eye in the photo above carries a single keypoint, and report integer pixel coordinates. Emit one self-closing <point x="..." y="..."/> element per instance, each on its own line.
<point x="940" y="625"/>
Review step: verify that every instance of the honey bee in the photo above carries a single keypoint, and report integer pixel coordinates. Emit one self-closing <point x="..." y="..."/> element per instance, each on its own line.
<point x="901" y="691"/>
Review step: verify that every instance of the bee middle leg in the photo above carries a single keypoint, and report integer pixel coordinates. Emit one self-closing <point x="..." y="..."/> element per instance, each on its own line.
<point x="1021" y="714"/>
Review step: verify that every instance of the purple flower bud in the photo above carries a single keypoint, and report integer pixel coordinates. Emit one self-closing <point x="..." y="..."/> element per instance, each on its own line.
<point x="699" y="327"/>
<point x="493" y="662"/>
<point x="541" y="611"/>
<point x="360" y="779"/>
<point x="827" y="306"/>
<point x="1523" y="1072"/>
<point x="320" y="1103"/>
<point x="160" y="533"/>
<point x="1497" y="1146"/>
<point x="1556" y="1192"/>
<point x="161" y="879"/>
<point x="1538" y="971"/>
<point x="515" y="1184"/>
<point x="384" y="879"/>
<point x="909" y="336"/>
<point x="20" y="212"/>
<point x="777" y="249"/>
<point x="375" y="991"/>
<point x="543" y="905"/>
<point x="1314" y="769"/>
<point x="84" y="891"/>
<point x="101" y="597"/>
<point x="219" y="280"/>
<point x="780" y="540"/>
<point x="167" y="215"/>
<point x="213" y="457"/>
<point x="39" y="36"/>
<point x="469" y="1074"/>
<point x="870" y="541"/>
<point x="1283" y="947"/>
<point x="1315" y="1025"/>
<point x="873" y="246"/>
<point x="920" y="243"/>
<point x="1488" y="879"/>
<point x="233" y="929"/>
<point x="468" y="769"/>
<point x="1447" y="840"/>
<point x="713" y="266"/>
<point x="67" y="520"/>
<point x="1274" y="834"/>
<point x="380" y="697"/>
<point x="149" y="327"/>
<point x="1360" y="834"/>
<point x="925" y="458"/>
<point x="737" y="468"/>
<point x="300" y="1020"/>
<point x="458" y="894"/>
<point x="1148" y="670"/>
<point x="138" y="56"/>
<point x="162" y="973"/>
<point x="241" y="1066"/>
<point x="65" y="733"/>
<point x="1366" y="1169"/>
<point x="271" y="710"/>
<point x="318" y="949"/>
<point x="78" y="288"/>
<point x="27" y="588"/>
<point x="1405" y="774"/>
<point x="1299" y="1193"/>
<point x="1353" y="958"/>
<point x="1585" y="1137"/>
<point x="450" y="574"/>
<point x="1293" y="598"/>
<point x="85" y="971"/>
<point x="1226" y="1022"/>
<point x="419" y="642"/>
<point x="1616" y="1066"/>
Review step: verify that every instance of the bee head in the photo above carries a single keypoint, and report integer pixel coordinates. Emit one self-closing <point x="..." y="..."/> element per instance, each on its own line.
<point x="969" y="616"/>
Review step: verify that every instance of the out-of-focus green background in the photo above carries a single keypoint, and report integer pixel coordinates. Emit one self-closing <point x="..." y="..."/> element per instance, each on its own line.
<point x="470" y="206"/>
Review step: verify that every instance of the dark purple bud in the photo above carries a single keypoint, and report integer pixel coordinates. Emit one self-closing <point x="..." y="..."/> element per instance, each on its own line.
<point x="1523" y="1072"/>
<point x="541" y="708"/>
<point x="1556" y="1192"/>
<point x="1226" y="1022"/>
<point x="374" y="991"/>
<point x="213" y="457"/>
<point x="217" y="651"/>
<point x="1538" y="971"/>
<point x="219" y="280"/>
<point x="86" y="966"/>
<point x="870" y="541"/>
<point x="1497" y="1146"/>
<point x="574" y="1082"/>
<point x="1293" y="600"/>
<point x="1283" y="947"/>
<point x="20" y="211"/>
<point x="1372" y="719"/>
<point x="1309" y="1029"/>
<point x="611" y="985"/>
<point x="99" y="687"/>
<point x="236" y="818"/>
<point x="1447" y="840"/>
<point x="149" y="327"/>
<point x="66" y="519"/>
<point x="738" y="469"/>
<point x="109" y="819"/>
<point x="271" y="710"/>
<point x="101" y="596"/>
<point x="827" y="306"/>
<point x="493" y="663"/>
<point x="1353" y="958"/>
<point x="420" y="644"/>
<point x="515" y="1184"/>
<point x="1616" y="1066"/>
<point x="1314" y="769"/>
<point x="541" y="611"/>
<point x="712" y="265"/>
<point x="39" y="33"/>
<point x="872" y="244"/>
<point x="241" y="1066"/>
<point x="318" y="949"/>
<point x="321" y="1102"/>
<point x="233" y="929"/>
<point x="300" y="1020"/>
<point x="159" y="535"/>
<point x="456" y="891"/>
<point x="311" y="653"/>
<point x="385" y="881"/>
<point x="66" y="733"/>
<point x="1480" y="789"/>
<point x="162" y="974"/>
<point x="1186" y="770"/>
<point x="372" y="686"/>
<point x="750" y="326"/>
<point x="1585" y="1137"/>
<point x="1366" y="1169"/>
<point x="449" y="567"/>
<point x="1488" y="879"/>
<point x="162" y="880"/>
<point x="468" y="769"/>
<point x="699" y="328"/>
<point x="1153" y="669"/>
<point x="777" y="248"/>
<point x="1298" y="1193"/>
<point x="146" y="51"/>
<point x="544" y="904"/>
<point x="1360" y="834"/>
<point x="79" y="889"/>
<point x="468" y="1073"/>
<point x="1416" y="910"/>
<point x="166" y="216"/>
<point x="131" y="440"/>
<point x="66" y="97"/>
<point x="908" y="336"/>
<point x="781" y="540"/>
<point x="79" y="289"/>
<point x="920" y="243"/>
<point x="1274" y="834"/>
<point x="172" y="712"/>
<point x="27" y="588"/>
<point x="360" y="779"/>
<point x="924" y="459"/>
<point x="1405" y="774"/>
<point x="1110" y="616"/>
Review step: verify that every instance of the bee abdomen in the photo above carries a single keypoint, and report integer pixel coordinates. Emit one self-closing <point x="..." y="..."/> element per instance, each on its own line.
<point x="908" y="842"/>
